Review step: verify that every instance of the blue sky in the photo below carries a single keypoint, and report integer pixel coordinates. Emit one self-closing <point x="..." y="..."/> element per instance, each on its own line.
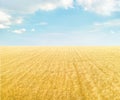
<point x="63" y="22"/>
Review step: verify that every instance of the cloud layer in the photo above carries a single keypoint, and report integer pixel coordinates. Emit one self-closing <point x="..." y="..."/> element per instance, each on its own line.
<point x="30" y="6"/>
<point x="103" y="7"/>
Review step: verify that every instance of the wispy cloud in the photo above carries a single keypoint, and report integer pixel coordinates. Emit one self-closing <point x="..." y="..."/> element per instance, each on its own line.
<point x="111" y="23"/>
<point x="43" y="23"/>
<point x="111" y="26"/>
<point x="19" y="31"/>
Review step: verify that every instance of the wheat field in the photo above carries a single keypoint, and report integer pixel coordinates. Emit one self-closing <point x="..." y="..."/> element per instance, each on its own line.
<point x="60" y="73"/>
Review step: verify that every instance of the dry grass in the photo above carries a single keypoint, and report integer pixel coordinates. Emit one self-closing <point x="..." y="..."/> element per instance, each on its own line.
<point x="60" y="73"/>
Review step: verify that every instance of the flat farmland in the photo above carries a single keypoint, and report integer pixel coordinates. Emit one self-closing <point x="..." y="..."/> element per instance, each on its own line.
<point x="60" y="73"/>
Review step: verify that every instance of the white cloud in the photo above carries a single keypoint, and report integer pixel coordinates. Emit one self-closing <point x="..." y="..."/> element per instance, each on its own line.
<point x="3" y="26"/>
<point x="103" y="7"/>
<point x="19" y="31"/>
<point x="5" y="20"/>
<point x="30" y="6"/>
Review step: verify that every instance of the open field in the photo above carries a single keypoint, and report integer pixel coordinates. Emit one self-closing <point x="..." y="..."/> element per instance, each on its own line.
<point x="60" y="73"/>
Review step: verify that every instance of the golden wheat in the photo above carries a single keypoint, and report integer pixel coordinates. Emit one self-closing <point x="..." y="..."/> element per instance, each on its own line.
<point x="60" y="73"/>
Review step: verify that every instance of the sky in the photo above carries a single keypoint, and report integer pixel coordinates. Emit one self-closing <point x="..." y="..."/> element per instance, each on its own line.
<point x="59" y="22"/>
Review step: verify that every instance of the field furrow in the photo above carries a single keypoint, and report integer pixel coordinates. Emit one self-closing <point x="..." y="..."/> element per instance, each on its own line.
<point x="60" y="73"/>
